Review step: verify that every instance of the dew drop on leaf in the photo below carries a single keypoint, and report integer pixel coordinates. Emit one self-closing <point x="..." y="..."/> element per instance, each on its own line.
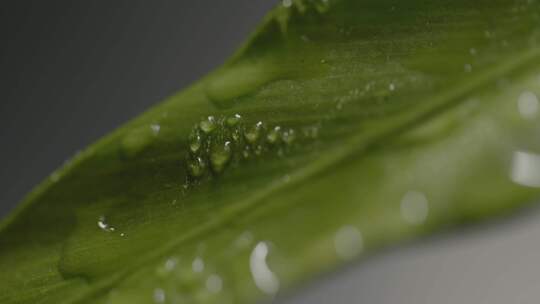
<point x="220" y="156"/>
<point x="195" y="141"/>
<point x="197" y="167"/>
<point x="528" y="105"/>
<point x="262" y="275"/>
<point x="253" y="133"/>
<point x="155" y="128"/>
<point x="159" y="295"/>
<point x="197" y="265"/>
<point x="104" y="225"/>
<point x="233" y="120"/>
<point x="208" y="125"/>
<point x="274" y="135"/>
<point x="414" y="207"/>
<point x="258" y="150"/>
<point x="525" y="169"/>
<point x="214" y="283"/>
<point x="348" y="242"/>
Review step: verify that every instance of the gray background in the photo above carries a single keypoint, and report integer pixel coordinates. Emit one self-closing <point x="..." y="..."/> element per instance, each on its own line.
<point x="71" y="71"/>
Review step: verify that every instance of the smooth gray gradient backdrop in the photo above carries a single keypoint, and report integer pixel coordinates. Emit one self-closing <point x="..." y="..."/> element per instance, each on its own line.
<point x="71" y="71"/>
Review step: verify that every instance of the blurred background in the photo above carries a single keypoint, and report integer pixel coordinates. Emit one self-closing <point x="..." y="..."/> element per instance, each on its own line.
<point x="71" y="71"/>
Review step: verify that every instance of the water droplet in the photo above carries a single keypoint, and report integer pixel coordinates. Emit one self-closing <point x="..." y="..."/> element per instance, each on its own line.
<point x="392" y="87"/>
<point x="233" y="120"/>
<point x="528" y="105"/>
<point x="473" y="51"/>
<point x="258" y="150"/>
<point x="288" y="136"/>
<point x="197" y="265"/>
<point x="170" y="264"/>
<point x="195" y="141"/>
<point x="263" y="277"/>
<point x="287" y="3"/>
<point x="197" y="167"/>
<point x="230" y="86"/>
<point x="253" y="134"/>
<point x="214" y="283"/>
<point x="414" y="207"/>
<point x="155" y="128"/>
<point x="236" y="135"/>
<point x="137" y="139"/>
<point x="103" y="225"/>
<point x="525" y="169"/>
<point x="467" y="67"/>
<point x="244" y="239"/>
<point x="159" y="295"/>
<point x="246" y="153"/>
<point x="348" y="242"/>
<point x="208" y="125"/>
<point x="220" y="156"/>
<point x="323" y="61"/>
<point x="274" y="135"/>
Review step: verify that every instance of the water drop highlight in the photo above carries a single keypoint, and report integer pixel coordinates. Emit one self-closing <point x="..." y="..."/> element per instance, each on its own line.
<point x="263" y="277"/>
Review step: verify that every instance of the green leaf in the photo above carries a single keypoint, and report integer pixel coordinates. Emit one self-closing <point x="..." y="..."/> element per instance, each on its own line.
<point x="339" y="128"/>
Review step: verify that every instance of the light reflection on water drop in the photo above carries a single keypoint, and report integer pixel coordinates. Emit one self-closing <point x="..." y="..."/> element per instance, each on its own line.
<point x="525" y="169"/>
<point x="171" y="263"/>
<point x="197" y="265"/>
<point x="233" y="120"/>
<point x="103" y="225"/>
<point x="214" y="283"/>
<point x="159" y="295"/>
<point x="348" y="242"/>
<point x="208" y="125"/>
<point x="528" y="105"/>
<point x="414" y="207"/>
<point x="263" y="277"/>
<point x="155" y="128"/>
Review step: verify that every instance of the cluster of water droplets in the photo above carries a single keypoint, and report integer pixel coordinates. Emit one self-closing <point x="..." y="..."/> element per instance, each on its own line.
<point x="189" y="280"/>
<point x="197" y="278"/>
<point x="218" y="142"/>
